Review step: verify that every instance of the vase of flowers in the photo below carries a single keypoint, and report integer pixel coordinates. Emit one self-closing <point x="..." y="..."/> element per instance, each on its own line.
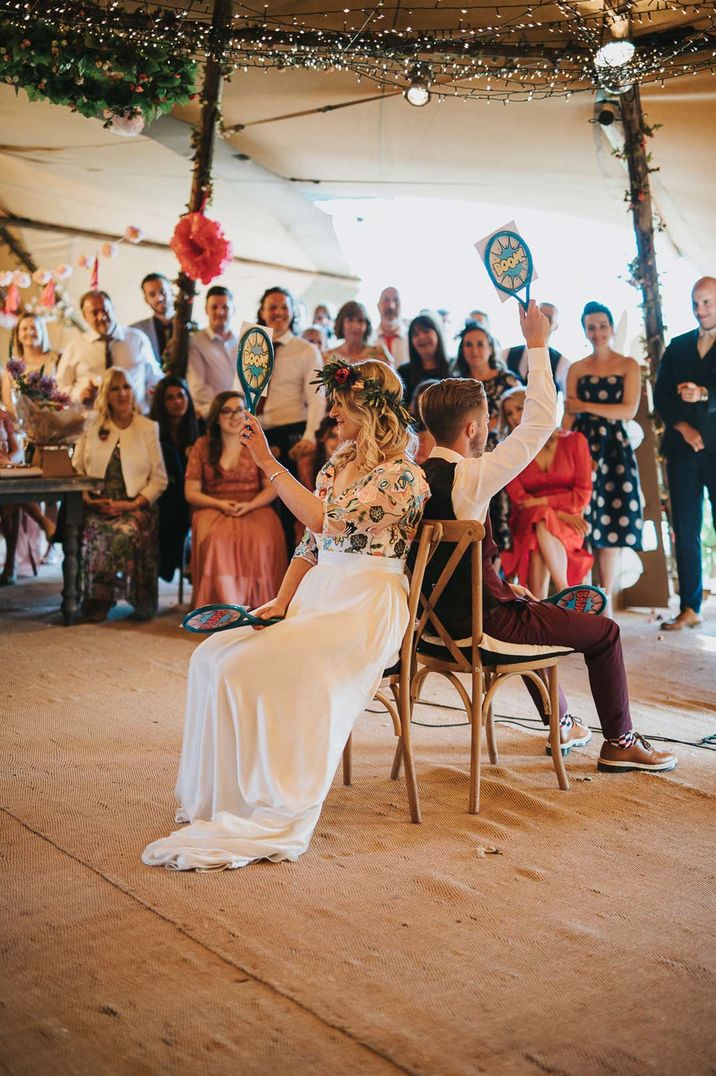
<point x="48" y="419"/>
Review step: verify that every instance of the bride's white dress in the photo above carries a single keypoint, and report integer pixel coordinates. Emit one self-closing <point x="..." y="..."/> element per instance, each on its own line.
<point x="269" y="712"/>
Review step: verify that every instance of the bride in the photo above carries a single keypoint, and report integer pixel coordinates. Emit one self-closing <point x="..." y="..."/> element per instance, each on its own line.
<point x="269" y="710"/>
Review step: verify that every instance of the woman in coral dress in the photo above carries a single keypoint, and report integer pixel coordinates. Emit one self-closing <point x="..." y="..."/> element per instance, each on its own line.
<point x="238" y="552"/>
<point x="548" y="500"/>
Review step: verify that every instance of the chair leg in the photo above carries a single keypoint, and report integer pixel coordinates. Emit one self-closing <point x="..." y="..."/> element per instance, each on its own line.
<point x="405" y="741"/>
<point x="491" y="738"/>
<point x="554" y="738"/>
<point x="181" y="584"/>
<point x="475" y="739"/>
<point x="347" y="761"/>
<point x="397" y="760"/>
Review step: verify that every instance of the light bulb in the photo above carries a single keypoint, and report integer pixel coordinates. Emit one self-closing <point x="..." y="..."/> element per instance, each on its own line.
<point x="418" y="93"/>
<point x="614" y="54"/>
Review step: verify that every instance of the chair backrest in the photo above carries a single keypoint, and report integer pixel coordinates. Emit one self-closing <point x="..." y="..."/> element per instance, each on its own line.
<point x="465" y="536"/>
<point x="428" y="540"/>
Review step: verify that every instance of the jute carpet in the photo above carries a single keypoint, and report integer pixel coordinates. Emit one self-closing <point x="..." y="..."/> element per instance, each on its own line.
<point x="561" y="933"/>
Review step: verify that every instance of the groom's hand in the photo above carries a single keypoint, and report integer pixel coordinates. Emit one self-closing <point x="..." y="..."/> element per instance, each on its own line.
<point x="535" y="326"/>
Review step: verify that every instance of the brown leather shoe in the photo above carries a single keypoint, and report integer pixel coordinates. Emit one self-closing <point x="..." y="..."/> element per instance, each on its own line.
<point x="687" y="618"/>
<point x="576" y="736"/>
<point x="640" y="756"/>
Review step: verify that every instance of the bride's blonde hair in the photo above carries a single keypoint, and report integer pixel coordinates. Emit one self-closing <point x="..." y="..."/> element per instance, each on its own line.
<point x="381" y="435"/>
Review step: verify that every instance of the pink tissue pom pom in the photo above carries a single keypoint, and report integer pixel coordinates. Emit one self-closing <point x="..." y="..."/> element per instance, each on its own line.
<point x="127" y="125"/>
<point x="202" y="249"/>
<point x="42" y="276"/>
<point x="62" y="272"/>
<point x="133" y="234"/>
<point x="109" y="250"/>
<point x="85" y="261"/>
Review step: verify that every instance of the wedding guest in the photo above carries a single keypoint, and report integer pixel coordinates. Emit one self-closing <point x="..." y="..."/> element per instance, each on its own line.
<point x="685" y="397"/>
<point x="328" y="441"/>
<point x="462" y="480"/>
<point x="477" y="358"/>
<point x="548" y="500"/>
<point x="31" y="344"/>
<point x="353" y="329"/>
<point x="238" y="553"/>
<point x="10" y="514"/>
<point x="426" y="351"/>
<point x="158" y="296"/>
<point x="173" y="411"/>
<point x="515" y="358"/>
<point x="480" y="318"/>
<point x="323" y="318"/>
<point x="391" y="331"/>
<point x="316" y="335"/>
<point x="269" y="710"/>
<point x="291" y="412"/>
<point x="118" y="557"/>
<point x="426" y="441"/>
<point x="602" y="393"/>
<point x="211" y="366"/>
<point x="106" y="344"/>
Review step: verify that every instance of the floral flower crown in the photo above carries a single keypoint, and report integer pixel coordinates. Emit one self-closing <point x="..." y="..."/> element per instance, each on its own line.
<point x="341" y="376"/>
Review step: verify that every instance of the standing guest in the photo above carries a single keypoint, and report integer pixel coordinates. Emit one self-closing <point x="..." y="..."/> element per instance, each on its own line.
<point x="316" y="335"/>
<point x="515" y="358"/>
<point x="119" y="546"/>
<point x="427" y="357"/>
<point x="291" y="412"/>
<point x="173" y="411"/>
<point x="106" y="344"/>
<point x="391" y="332"/>
<point x="323" y="318"/>
<point x="602" y="393"/>
<point x="238" y="553"/>
<point x="211" y="366"/>
<point x="158" y="297"/>
<point x="477" y="358"/>
<point x="353" y="329"/>
<point x="462" y="480"/>
<point x="548" y="499"/>
<point x="480" y="318"/>
<point x="685" y="397"/>
<point x="31" y="344"/>
<point x="269" y="711"/>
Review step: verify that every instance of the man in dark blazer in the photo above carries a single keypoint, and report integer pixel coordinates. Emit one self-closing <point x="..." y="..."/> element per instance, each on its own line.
<point x="158" y="296"/>
<point x="685" y="397"/>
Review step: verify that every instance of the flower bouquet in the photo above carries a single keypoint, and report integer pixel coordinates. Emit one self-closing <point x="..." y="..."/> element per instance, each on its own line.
<point x="47" y="417"/>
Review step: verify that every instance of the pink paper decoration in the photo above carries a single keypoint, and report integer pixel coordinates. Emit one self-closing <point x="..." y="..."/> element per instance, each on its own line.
<point x="201" y="247"/>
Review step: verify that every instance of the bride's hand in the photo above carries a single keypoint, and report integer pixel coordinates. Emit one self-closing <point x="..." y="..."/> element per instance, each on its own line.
<point x="253" y="436"/>
<point x="268" y="610"/>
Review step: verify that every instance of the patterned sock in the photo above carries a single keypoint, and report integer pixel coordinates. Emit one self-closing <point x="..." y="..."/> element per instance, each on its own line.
<point x="566" y="722"/>
<point x="625" y="741"/>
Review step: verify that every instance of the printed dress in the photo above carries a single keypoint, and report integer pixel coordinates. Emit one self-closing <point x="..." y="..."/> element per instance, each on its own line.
<point x="119" y="557"/>
<point x="495" y="388"/>
<point x="615" y="511"/>
<point x="269" y="712"/>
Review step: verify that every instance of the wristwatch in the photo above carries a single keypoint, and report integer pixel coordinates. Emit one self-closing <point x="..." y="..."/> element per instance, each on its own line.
<point x="704" y="393"/>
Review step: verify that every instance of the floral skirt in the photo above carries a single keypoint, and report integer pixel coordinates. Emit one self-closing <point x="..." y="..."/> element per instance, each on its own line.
<point x="120" y="558"/>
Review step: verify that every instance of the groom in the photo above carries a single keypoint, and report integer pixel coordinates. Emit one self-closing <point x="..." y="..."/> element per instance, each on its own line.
<point x="462" y="482"/>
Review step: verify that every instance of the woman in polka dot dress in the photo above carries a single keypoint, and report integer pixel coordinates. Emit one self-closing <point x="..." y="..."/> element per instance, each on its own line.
<point x="602" y="394"/>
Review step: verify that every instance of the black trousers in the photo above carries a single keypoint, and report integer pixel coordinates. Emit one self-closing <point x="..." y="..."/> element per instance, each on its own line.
<point x="281" y="439"/>
<point x="688" y="477"/>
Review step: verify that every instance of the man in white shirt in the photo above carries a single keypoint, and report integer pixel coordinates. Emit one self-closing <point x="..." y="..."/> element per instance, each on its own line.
<point x="515" y="358"/>
<point x="462" y="482"/>
<point x="211" y="367"/>
<point x="106" y="344"/>
<point x="158" y="296"/>
<point x="391" y="332"/>
<point x="292" y="411"/>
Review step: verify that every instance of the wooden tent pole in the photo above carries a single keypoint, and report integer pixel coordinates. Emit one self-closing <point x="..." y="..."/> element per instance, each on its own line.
<point x="204" y="139"/>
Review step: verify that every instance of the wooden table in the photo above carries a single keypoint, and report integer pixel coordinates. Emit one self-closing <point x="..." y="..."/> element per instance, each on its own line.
<point x="70" y="490"/>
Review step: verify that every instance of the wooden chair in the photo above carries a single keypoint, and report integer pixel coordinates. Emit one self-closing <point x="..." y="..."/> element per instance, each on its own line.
<point x="399" y="677"/>
<point x="487" y="662"/>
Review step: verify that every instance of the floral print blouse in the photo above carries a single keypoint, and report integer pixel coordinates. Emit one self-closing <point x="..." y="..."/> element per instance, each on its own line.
<point x="377" y="515"/>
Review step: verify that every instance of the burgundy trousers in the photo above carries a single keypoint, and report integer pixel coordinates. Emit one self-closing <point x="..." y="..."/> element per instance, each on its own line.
<point x="597" y="637"/>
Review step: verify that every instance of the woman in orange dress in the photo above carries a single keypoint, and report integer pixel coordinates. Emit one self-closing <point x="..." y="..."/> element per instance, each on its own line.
<point x="548" y="502"/>
<point x="238" y="551"/>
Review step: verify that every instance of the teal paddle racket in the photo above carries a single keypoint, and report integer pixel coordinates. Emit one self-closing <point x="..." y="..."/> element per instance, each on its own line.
<point x="254" y="364"/>
<point x="509" y="265"/>
<point x="211" y="618"/>
<point x="580" y="599"/>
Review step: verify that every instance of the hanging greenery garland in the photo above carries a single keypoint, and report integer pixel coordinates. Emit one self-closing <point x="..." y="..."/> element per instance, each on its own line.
<point x="96" y="72"/>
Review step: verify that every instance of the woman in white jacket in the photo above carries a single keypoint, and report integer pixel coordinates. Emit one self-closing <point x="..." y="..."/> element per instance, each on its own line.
<point x="119" y="552"/>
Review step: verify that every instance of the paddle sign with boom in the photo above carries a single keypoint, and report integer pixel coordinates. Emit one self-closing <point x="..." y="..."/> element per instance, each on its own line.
<point x="509" y="264"/>
<point x="254" y="363"/>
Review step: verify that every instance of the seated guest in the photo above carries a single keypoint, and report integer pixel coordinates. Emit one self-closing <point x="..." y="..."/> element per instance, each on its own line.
<point x="515" y="358"/>
<point x="292" y="411"/>
<point x="316" y="335"/>
<point x="173" y="411"/>
<point x="391" y="331"/>
<point x="353" y="329"/>
<point x="118" y="557"/>
<point x="477" y="358"/>
<point x="462" y="482"/>
<point x="158" y="297"/>
<point x="106" y="344"/>
<point x="548" y="502"/>
<point x="238" y="552"/>
<point x="426" y="352"/>
<point x="327" y="439"/>
<point x="211" y="366"/>
<point x="30" y="344"/>
<point x="10" y="514"/>
<point x="426" y="441"/>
